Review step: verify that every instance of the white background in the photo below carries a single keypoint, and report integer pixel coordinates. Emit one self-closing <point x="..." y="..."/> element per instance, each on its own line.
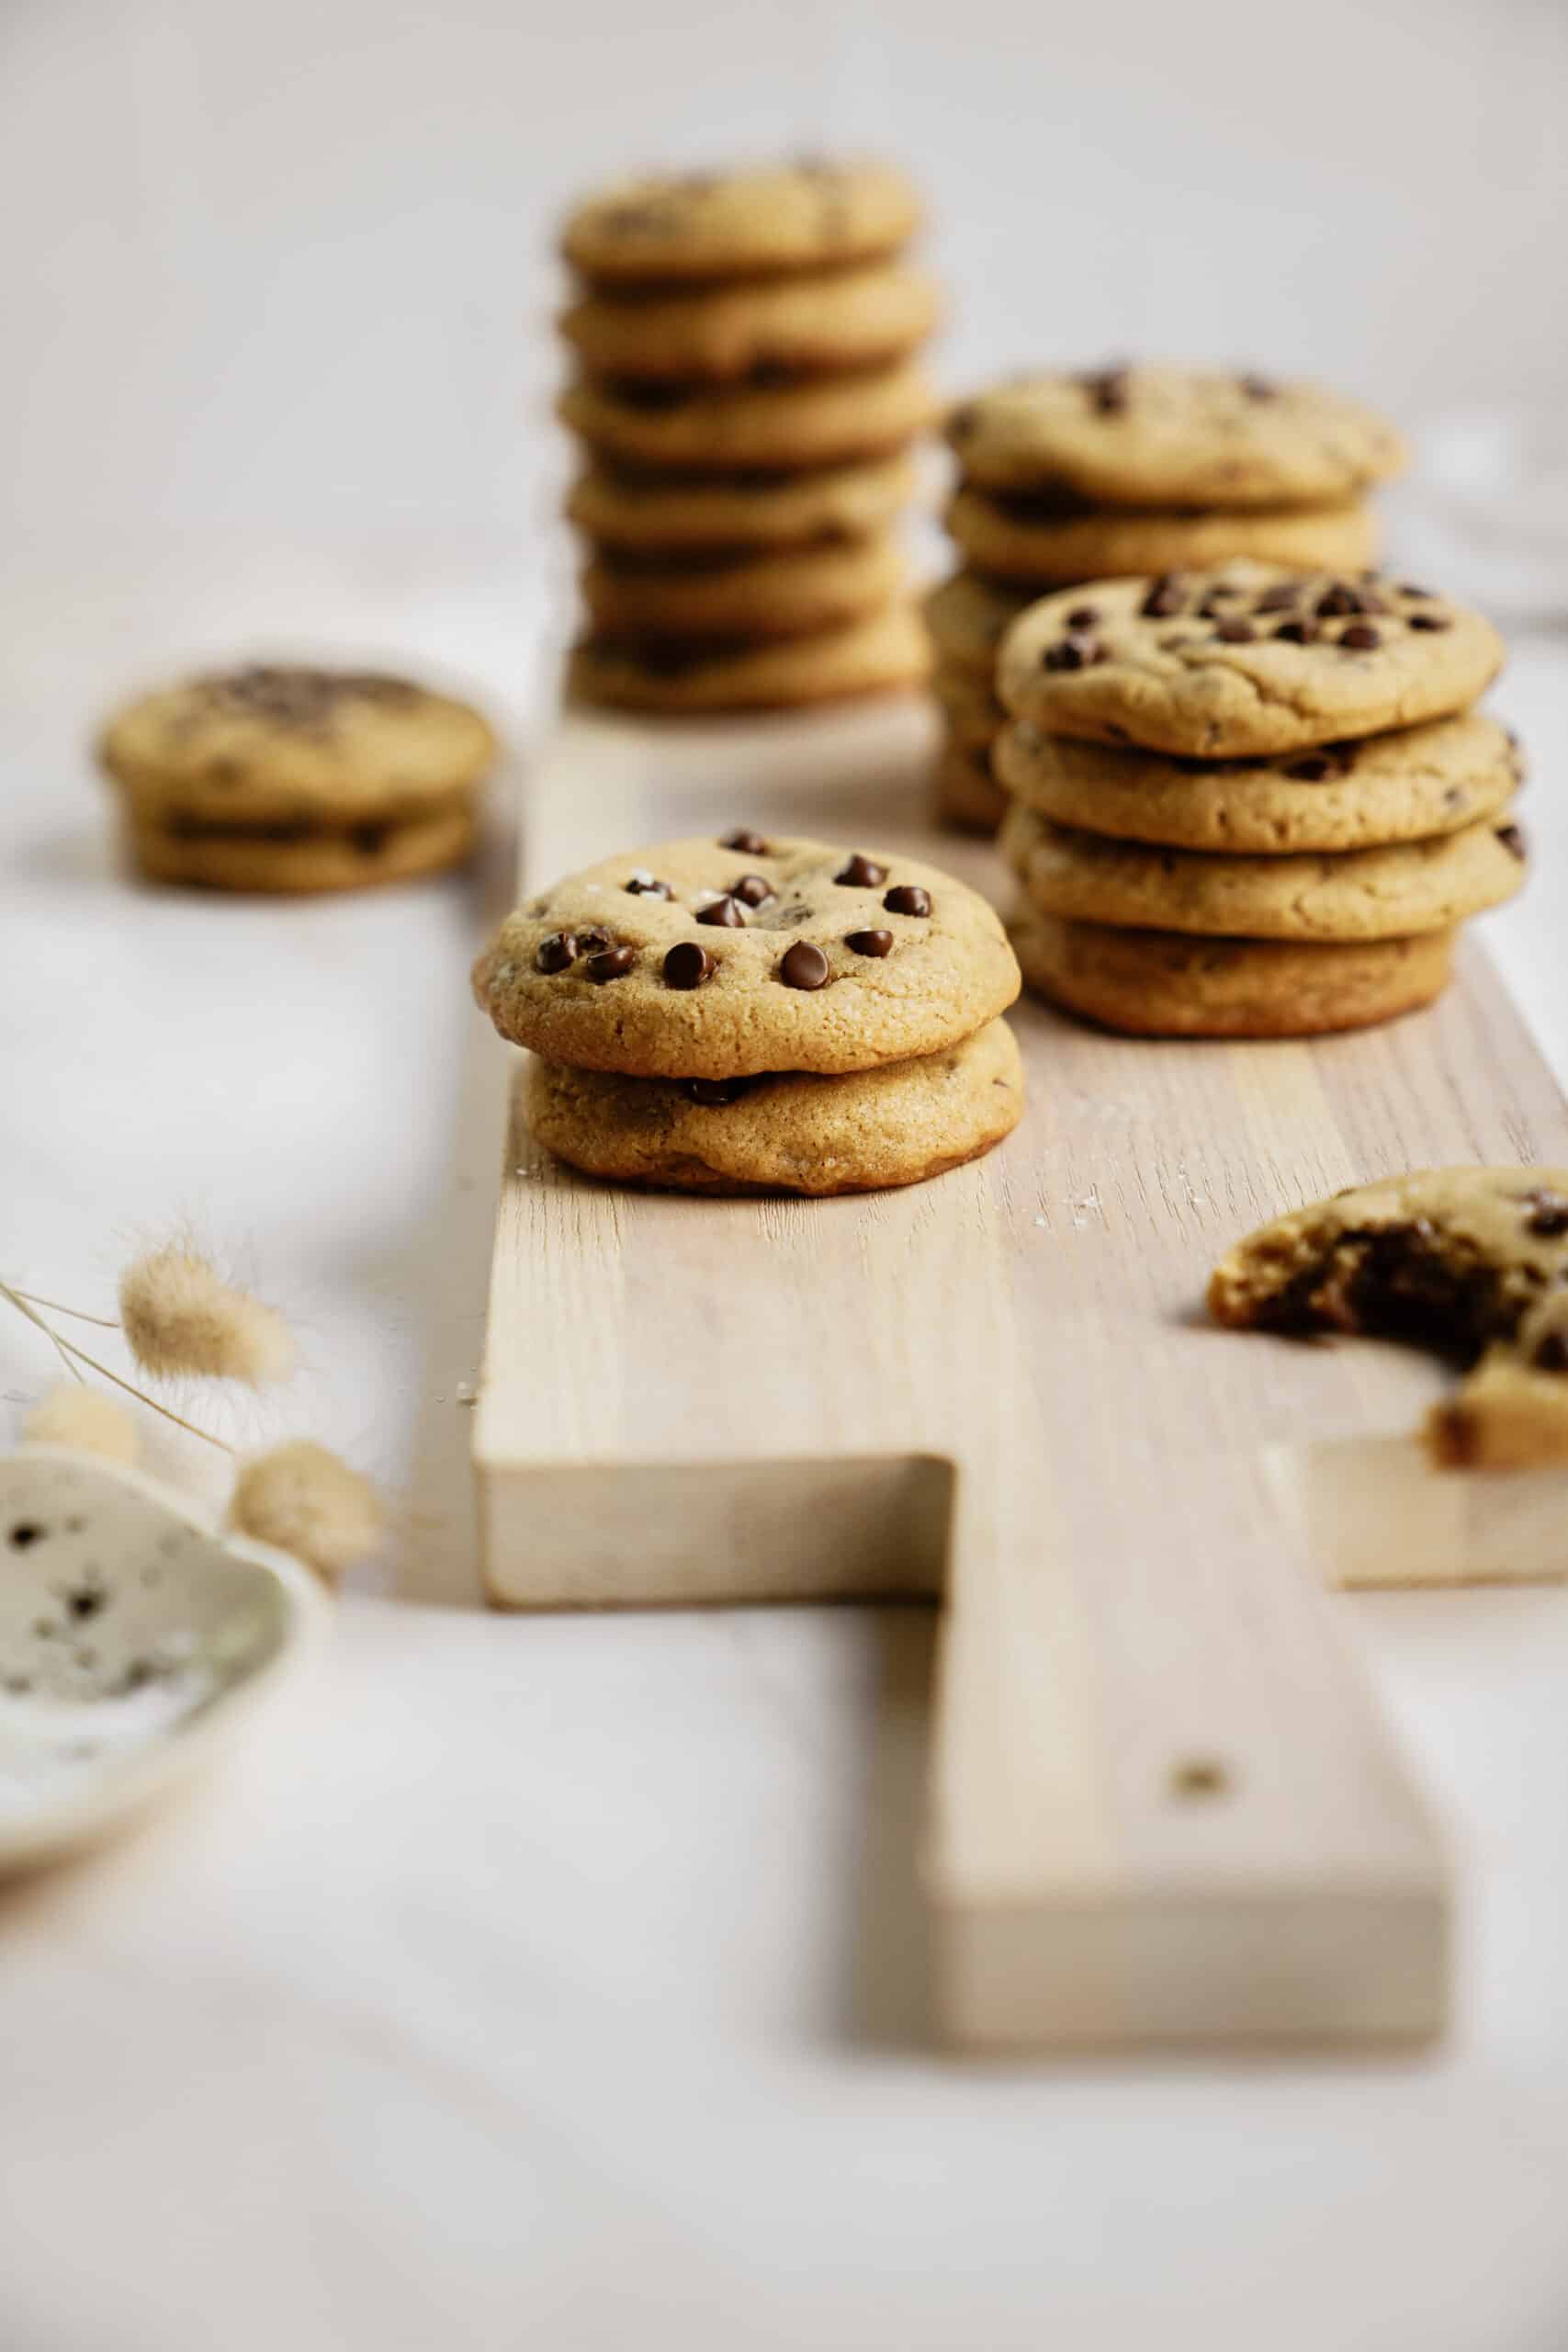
<point x="555" y="1983"/>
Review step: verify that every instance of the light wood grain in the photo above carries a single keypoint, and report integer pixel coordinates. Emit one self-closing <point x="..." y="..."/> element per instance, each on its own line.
<point x="1164" y="1802"/>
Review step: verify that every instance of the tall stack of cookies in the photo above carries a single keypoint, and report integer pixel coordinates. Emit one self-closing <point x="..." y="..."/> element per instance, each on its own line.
<point x="1254" y="802"/>
<point x="745" y="1014"/>
<point x="1068" y="477"/>
<point x="747" y="397"/>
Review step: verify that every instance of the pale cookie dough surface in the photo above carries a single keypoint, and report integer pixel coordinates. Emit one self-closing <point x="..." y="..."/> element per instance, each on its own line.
<point x="818" y="421"/>
<point x="805" y="215"/>
<point x="870" y="656"/>
<point x="1244" y="658"/>
<point x="973" y="714"/>
<point x="788" y="1132"/>
<point x="790" y="594"/>
<point x="969" y="615"/>
<point x="1048" y="543"/>
<point x="831" y="319"/>
<point x="1175" y="437"/>
<point x="300" y="860"/>
<point x="914" y="983"/>
<point x="966" y="794"/>
<point x="275" y="741"/>
<point x="1472" y="1261"/>
<point x="673" y="513"/>
<point x="1409" y="786"/>
<point x="1166" y="984"/>
<point x="1358" y="894"/>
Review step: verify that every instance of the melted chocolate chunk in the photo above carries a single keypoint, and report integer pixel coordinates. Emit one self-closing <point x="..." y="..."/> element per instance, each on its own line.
<point x="753" y="890"/>
<point x="803" y="967"/>
<point x="909" y="899"/>
<point x="687" y="966"/>
<point x="610" y="963"/>
<point x="870" y="943"/>
<point x="594" y="936"/>
<point x="860" y="873"/>
<point x="728" y="912"/>
<point x="556" y="953"/>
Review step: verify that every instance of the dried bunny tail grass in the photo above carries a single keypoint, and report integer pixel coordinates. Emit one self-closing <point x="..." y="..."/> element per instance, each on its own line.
<point x="85" y="1420"/>
<point x="181" y="1318"/>
<point x="304" y="1501"/>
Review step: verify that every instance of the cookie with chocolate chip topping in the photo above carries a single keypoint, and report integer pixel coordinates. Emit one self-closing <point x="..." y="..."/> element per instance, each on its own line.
<point x="670" y="227"/>
<point x="968" y="616"/>
<point x="1408" y="786"/>
<point x="884" y="650"/>
<point x="671" y="513"/>
<point x="1246" y="659"/>
<point x="853" y="958"/>
<point x="815" y="421"/>
<point x="1059" y="537"/>
<point x="785" y="1131"/>
<point x="796" y="591"/>
<point x="1164" y="436"/>
<point x="817" y="322"/>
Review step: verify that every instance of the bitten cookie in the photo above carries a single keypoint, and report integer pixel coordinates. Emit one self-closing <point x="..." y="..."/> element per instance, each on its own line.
<point x="1166" y="984"/>
<point x="816" y="420"/>
<point x="1420" y="781"/>
<point x="680" y="225"/>
<point x="1242" y="660"/>
<point x="1463" y="1259"/>
<point x="790" y="1133"/>
<point x="1360" y="894"/>
<point x="1175" y="437"/>
<point x="788" y="593"/>
<point x="829" y="320"/>
<point x="724" y="958"/>
<point x="1045" y="540"/>
<point x="866" y="656"/>
<point x="969" y="617"/>
<point x="671" y="512"/>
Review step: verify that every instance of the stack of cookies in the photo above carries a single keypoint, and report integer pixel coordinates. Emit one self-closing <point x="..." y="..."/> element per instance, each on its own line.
<point x="1068" y="477"/>
<point x="1251" y="802"/>
<point x="292" y="779"/>
<point x="747" y="398"/>
<point x="745" y="1014"/>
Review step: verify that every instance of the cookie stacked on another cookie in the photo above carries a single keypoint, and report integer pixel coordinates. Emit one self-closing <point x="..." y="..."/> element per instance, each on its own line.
<point x="1251" y="802"/>
<point x="747" y="1014"/>
<point x="286" y="779"/>
<point x="747" y="397"/>
<point x="1066" y="478"/>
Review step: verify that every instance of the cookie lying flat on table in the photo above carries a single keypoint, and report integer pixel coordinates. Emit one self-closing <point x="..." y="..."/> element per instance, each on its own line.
<point x="816" y="420"/>
<point x="795" y="592"/>
<point x="1175" y="437"/>
<point x="1244" y="658"/>
<point x="721" y="958"/>
<point x="1172" y="984"/>
<point x="1355" y="894"/>
<point x="832" y="319"/>
<point x="680" y="225"/>
<point x="1045" y="540"/>
<point x="1418" y="782"/>
<point x="288" y="777"/>
<point x="1472" y="1262"/>
<point x="864" y="657"/>
<point x="665" y="512"/>
<point x="784" y="1132"/>
<point x="968" y="616"/>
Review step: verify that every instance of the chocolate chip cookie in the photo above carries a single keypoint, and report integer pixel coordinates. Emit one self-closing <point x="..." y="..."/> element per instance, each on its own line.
<point x="790" y="593"/>
<point x="755" y="327"/>
<point x="697" y="225"/>
<point x="671" y="513"/>
<point x="1408" y="785"/>
<point x="1358" y="894"/>
<point x="1058" y="538"/>
<point x="1162" y="437"/>
<point x="871" y="656"/>
<point x="967" y="795"/>
<point x="724" y="958"/>
<point x="784" y="1132"/>
<point x="816" y="420"/>
<point x="1243" y="659"/>
<point x="968" y="616"/>
<point x="1471" y="1262"/>
<point x="974" y="715"/>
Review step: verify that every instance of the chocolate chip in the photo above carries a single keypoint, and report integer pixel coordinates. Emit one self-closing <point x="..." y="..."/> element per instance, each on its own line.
<point x="803" y="965"/>
<point x="753" y="890"/>
<point x="1165" y="597"/>
<point x="24" y="1534"/>
<point x="726" y="911"/>
<point x="1280" y="598"/>
<point x="687" y="964"/>
<point x="1513" y="838"/>
<point x="1551" y="1353"/>
<point x="870" y="943"/>
<point x="612" y="964"/>
<point x="861" y="873"/>
<point x="1313" y="769"/>
<point x="1258" y="387"/>
<point x="643" y="886"/>
<point x="1361" y="638"/>
<point x="1083" y="616"/>
<point x="1339" y="601"/>
<point x="1075" y="652"/>
<point x="909" y="899"/>
<point x="1306" y="632"/>
<point x="713" y="1091"/>
<point x="1107" y="390"/>
<point x="1548" y="1213"/>
<point x="1235" y="632"/>
<point x="369" y="840"/>
<point x="1430" y="622"/>
<point x="554" y="953"/>
<point x="594" y="936"/>
<point x="749" y="844"/>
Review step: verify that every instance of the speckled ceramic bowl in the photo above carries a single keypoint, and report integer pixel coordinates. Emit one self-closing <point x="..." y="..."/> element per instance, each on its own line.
<point x="133" y="1638"/>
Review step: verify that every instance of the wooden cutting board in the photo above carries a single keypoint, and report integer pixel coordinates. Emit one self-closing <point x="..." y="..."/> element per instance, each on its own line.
<point x="1164" y="1803"/>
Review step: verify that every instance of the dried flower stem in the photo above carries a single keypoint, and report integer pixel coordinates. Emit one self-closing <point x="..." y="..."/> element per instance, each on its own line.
<point x="75" y="1357"/>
